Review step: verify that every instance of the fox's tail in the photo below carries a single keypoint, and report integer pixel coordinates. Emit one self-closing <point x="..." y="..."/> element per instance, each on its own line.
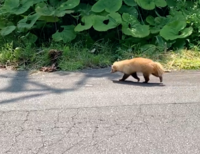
<point x="159" y="68"/>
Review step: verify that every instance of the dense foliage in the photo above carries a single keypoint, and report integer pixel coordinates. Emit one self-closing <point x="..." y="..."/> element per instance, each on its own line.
<point x="159" y="22"/>
<point x="142" y="25"/>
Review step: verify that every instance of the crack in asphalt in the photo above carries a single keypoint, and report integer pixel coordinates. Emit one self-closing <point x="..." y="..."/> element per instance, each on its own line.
<point x="100" y="130"/>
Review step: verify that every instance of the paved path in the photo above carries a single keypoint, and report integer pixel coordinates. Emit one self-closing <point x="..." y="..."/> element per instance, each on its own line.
<point x="89" y="112"/>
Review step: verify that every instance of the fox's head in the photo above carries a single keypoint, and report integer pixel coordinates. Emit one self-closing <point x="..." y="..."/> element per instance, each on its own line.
<point x="113" y="68"/>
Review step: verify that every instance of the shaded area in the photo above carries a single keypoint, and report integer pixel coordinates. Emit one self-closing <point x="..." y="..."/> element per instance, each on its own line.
<point x="22" y="82"/>
<point x="139" y="83"/>
<point x="19" y="82"/>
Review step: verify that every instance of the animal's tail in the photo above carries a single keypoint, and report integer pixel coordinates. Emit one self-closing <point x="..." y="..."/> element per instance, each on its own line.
<point x="159" y="68"/>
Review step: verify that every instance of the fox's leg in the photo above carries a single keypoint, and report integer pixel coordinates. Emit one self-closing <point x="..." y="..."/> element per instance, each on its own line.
<point x="135" y="76"/>
<point x="146" y="77"/>
<point x="124" y="77"/>
<point x="160" y="77"/>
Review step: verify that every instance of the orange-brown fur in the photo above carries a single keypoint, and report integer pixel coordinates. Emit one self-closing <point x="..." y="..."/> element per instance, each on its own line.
<point x="132" y="66"/>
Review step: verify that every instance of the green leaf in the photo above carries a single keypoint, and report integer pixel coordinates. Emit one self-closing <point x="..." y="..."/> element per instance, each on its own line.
<point x="150" y="5"/>
<point x="148" y="48"/>
<point x="84" y="9"/>
<point x="137" y="31"/>
<point x="171" y="3"/>
<point x="175" y="29"/>
<point x="130" y="19"/>
<point x="131" y="26"/>
<point x="64" y="8"/>
<point x="29" y="38"/>
<point x="22" y="8"/>
<point x="19" y="7"/>
<point x="150" y="20"/>
<point x="107" y="5"/>
<point x="154" y="30"/>
<point x="11" y="4"/>
<point x="179" y="44"/>
<point x="3" y="10"/>
<point x="66" y="35"/>
<point x="44" y="9"/>
<point x="54" y="3"/>
<point x="130" y="10"/>
<point x="87" y="23"/>
<point x="113" y="20"/>
<point x="156" y="24"/>
<point x="130" y="2"/>
<point x="28" y="21"/>
<point x="160" y="3"/>
<point x="70" y="4"/>
<point x="160" y="41"/>
<point x="7" y="30"/>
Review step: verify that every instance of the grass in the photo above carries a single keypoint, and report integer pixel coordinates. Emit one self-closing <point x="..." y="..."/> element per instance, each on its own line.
<point x="182" y="60"/>
<point x="100" y="54"/>
<point x="74" y="56"/>
<point x="171" y="60"/>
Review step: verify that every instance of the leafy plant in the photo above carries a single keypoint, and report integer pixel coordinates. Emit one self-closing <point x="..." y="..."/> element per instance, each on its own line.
<point x="108" y="6"/>
<point x="141" y="27"/>
<point x="131" y="26"/>
<point x="150" y="5"/>
<point x="66" y="35"/>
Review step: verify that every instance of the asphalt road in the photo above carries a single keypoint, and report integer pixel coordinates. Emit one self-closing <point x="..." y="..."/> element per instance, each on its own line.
<point x="90" y="112"/>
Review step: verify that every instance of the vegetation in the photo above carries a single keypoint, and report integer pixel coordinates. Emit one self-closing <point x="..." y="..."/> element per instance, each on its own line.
<point x="96" y="33"/>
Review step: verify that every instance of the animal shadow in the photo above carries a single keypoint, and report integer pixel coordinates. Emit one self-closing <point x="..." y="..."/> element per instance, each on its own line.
<point x="150" y="84"/>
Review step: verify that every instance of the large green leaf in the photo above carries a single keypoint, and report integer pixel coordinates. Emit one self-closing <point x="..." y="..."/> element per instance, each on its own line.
<point x="7" y="30"/>
<point x="151" y="4"/>
<point x="172" y="3"/>
<point x="130" y="2"/>
<point x="66" y="35"/>
<point x="113" y="20"/>
<point x="130" y="10"/>
<point x="137" y="31"/>
<point x="3" y="10"/>
<point x="150" y="20"/>
<point x="19" y="7"/>
<point x="65" y="7"/>
<point x="44" y="10"/>
<point x="69" y="4"/>
<point x="54" y="3"/>
<point x="83" y="9"/>
<point x="87" y="22"/>
<point x="131" y="26"/>
<point x="156" y="24"/>
<point x="11" y="4"/>
<point x="22" y="8"/>
<point x="175" y="29"/>
<point x="29" y="38"/>
<point x="107" y="5"/>
<point x="28" y="21"/>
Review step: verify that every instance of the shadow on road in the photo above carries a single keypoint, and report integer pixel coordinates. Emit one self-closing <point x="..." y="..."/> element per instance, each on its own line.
<point x="19" y="83"/>
<point x="139" y="83"/>
<point x="23" y="87"/>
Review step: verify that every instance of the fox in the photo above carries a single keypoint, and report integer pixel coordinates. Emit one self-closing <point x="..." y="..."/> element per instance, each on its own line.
<point x="130" y="67"/>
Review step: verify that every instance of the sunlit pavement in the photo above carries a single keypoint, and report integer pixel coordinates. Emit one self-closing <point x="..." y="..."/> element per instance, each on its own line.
<point x="90" y="112"/>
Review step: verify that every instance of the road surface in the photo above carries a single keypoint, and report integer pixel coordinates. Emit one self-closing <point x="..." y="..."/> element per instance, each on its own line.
<point x="90" y="112"/>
